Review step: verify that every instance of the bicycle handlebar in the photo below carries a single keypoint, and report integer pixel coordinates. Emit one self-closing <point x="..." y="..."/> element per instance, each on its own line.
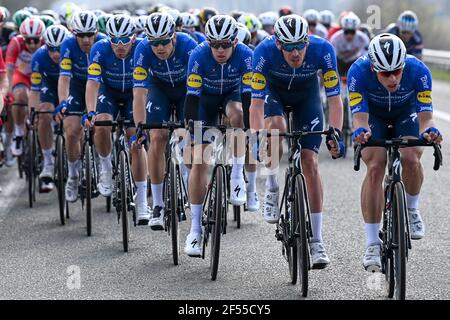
<point x="112" y="123"/>
<point x="400" y="143"/>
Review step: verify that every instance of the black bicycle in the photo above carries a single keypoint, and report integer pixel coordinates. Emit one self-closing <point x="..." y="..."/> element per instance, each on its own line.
<point x="175" y="191"/>
<point x="294" y="228"/>
<point x="124" y="187"/>
<point x="395" y="236"/>
<point x="61" y="172"/>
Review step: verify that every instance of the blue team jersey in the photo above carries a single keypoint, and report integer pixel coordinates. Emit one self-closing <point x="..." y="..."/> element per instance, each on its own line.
<point x="149" y="69"/>
<point x="106" y="68"/>
<point x="74" y="62"/>
<point x="365" y="89"/>
<point x="43" y="69"/>
<point x="270" y="68"/>
<point x="415" y="45"/>
<point x="210" y="77"/>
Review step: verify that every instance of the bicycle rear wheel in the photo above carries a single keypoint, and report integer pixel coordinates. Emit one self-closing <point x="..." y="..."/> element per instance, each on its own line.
<point x="124" y="200"/>
<point x="399" y="240"/>
<point x="300" y="234"/>
<point x="31" y="166"/>
<point x="220" y="197"/>
<point x="88" y="176"/>
<point x="60" y="175"/>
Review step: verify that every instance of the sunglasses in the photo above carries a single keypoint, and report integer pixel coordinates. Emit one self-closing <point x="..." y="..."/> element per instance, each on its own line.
<point x="289" y="47"/>
<point x="32" y="40"/>
<point x="54" y="49"/>
<point x="387" y="74"/>
<point x="85" y="34"/>
<point x="120" y="40"/>
<point x="163" y="42"/>
<point x="220" y="44"/>
<point x="352" y="32"/>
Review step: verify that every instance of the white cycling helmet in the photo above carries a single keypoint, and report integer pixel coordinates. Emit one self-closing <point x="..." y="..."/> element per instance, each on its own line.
<point x="32" y="27"/>
<point x="350" y="22"/>
<point x="139" y="23"/>
<point x="408" y="21"/>
<point x="120" y="26"/>
<point x="243" y="34"/>
<point x="311" y="15"/>
<point x="189" y="20"/>
<point x="250" y="21"/>
<point x="326" y="17"/>
<point x="291" y="29"/>
<point x="83" y="22"/>
<point x="55" y="35"/>
<point x="387" y="52"/>
<point x="221" y="27"/>
<point x="160" y="26"/>
<point x="268" y="18"/>
<point x="66" y="11"/>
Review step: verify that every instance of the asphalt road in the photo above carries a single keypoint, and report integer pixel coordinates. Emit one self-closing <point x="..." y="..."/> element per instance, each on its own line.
<point x="40" y="259"/>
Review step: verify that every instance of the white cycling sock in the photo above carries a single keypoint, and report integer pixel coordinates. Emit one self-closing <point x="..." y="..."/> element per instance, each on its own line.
<point x="141" y="194"/>
<point x="196" y="224"/>
<point x="316" y="224"/>
<point x="157" y="194"/>
<point x="19" y="130"/>
<point x="48" y="157"/>
<point x="412" y="201"/>
<point x="74" y="168"/>
<point x="272" y="179"/>
<point x="372" y="234"/>
<point x="251" y="185"/>
<point x="8" y="138"/>
<point x="106" y="163"/>
<point x="238" y="167"/>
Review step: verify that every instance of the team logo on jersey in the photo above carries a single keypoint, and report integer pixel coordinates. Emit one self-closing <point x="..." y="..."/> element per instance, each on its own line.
<point x="95" y="69"/>
<point x="424" y="97"/>
<point x="195" y="81"/>
<point x="140" y="74"/>
<point x="36" y="78"/>
<point x="355" y="99"/>
<point x="330" y="79"/>
<point x="247" y="79"/>
<point x="66" y="64"/>
<point x="258" y="81"/>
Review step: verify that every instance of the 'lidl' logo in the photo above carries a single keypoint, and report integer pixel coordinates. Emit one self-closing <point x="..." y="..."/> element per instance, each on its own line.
<point x="424" y="97"/>
<point x="95" y="69"/>
<point x="355" y="98"/>
<point x="195" y="81"/>
<point x="140" y="74"/>
<point x="36" y="78"/>
<point x="330" y="79"/>
<point x="247" y="79"/>
<point x="258" y="81"/>
<point x="66" y="64"/>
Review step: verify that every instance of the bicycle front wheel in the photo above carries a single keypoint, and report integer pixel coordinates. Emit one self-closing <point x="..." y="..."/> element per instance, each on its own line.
<point x="399" y="233"/>
<point x="300" y="232"/>
<point x="174" y="230"/>
<point x="31" y="166"/>
<point x="220" y="198"/>
<point x="124" y="200"/>
<point x="88" y="176"/>
<point x="60" y="175"/>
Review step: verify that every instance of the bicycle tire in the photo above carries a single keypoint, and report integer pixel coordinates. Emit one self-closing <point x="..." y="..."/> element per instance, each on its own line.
<point x="290" y="246"/>
<point x="88" y="177"/>
<point x="31" y="166"/>
<point x="237" y="216"/>
<point x="219" y="203"/>
<point x="301" y="235"/>
<point x="174" y="230"/>
<point x="60" y="173"/>
<point x="399" y="237"/>
<point x="124" y="200"/>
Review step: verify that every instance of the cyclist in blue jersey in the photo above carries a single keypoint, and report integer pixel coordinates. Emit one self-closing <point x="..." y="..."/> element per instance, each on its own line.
<point x="71" y="89"/>
<point x="190" y="22"/>
<point x="389" y="87"/>
<point x="109" y="86"/>
<point x="219" y="81"/>
<point x="160" y="69"/>
<point x="44" y="96"/>
<point x="285" y="70"/>
<point x="407" y="29"/>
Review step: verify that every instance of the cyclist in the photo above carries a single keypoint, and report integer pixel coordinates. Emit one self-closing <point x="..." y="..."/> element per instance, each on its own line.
<point x="44" y="96"/>
<point x="268" y="20"/>
<point x="109" y="84"/>
<point x="161" y="63"/>
<point x="71" y="89"/>
<point x="219" y="77"/>
<point x="338" y="27"/>
<point x="190" y="22"/>
<point x="285" y="70"/>
<point x="389" y="87"/>
<point x="66" y="13"/>
<point x="204" y="15"/>
<point x="5" y="31"/>
<point x="327" y="19"/>
<point x="244" y="35"/>
<point x="315" y="27"/>
<point x="285" y="11"/>
<point x="18" y="62"/>
<point x="254" y="25"/>
<point x="139" y="24"/>
<point x="349" y="43"/>
<point x="407" y="29"/>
